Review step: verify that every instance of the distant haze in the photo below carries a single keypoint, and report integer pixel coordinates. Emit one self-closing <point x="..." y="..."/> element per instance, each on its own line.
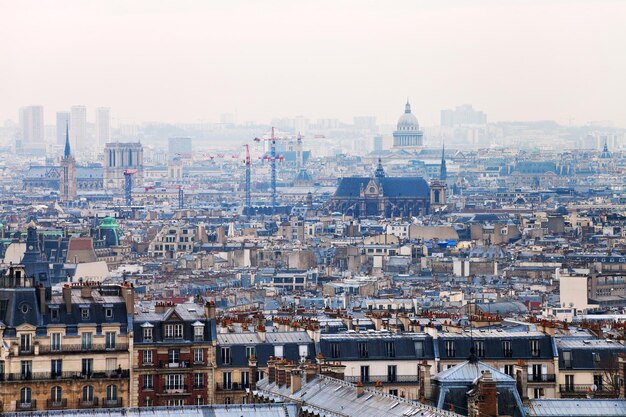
<point x="190" y="61"/>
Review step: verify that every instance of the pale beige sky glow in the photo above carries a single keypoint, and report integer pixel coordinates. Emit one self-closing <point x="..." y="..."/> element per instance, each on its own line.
<point x="192" y="60"/>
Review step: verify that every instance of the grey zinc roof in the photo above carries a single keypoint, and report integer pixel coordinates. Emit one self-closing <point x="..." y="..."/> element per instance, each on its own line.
<point x="580" y="343"/>
<point x="288" y="337"/>
<point x="239" y="410"/>
<point x="468" y="372"/>
<point x="577" y="408"/>
<point x="330" y="397"/>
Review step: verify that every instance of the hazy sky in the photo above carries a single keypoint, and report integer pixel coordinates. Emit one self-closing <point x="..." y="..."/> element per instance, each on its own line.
<point x="192" y="60"/>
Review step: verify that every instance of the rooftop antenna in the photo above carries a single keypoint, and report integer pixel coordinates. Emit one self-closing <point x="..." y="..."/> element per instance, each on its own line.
<point x="472" y="356"/>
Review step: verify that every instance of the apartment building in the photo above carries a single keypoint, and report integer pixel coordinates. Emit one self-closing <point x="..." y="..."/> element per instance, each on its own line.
<point x="174" y="355"/>
<point x="243" y="359"/>
<point x="63" y="351"/>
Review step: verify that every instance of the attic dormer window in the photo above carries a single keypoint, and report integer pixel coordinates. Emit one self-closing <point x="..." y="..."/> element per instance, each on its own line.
<point x="84" y="313"/>
<point x="108" y="312"/>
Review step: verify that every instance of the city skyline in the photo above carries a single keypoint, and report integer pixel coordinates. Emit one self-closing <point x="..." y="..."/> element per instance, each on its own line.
<point x="186" y="62"/>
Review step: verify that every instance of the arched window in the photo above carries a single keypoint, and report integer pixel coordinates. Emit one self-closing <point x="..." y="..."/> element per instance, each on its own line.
<point x="111" y="392"/>
<point x="87" y="393"/>
<point x="56" y="393"/>
<point x="26" y="395"/>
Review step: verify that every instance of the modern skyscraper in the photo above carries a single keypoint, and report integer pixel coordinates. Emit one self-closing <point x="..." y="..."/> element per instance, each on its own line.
<point x="180" y="147"/>
<point x="462" y="116"/>
<point x="63" y="121"/>
<point x="31" y="122"/>
<point x="103" y="126"/>
<point x="78" y="124"/>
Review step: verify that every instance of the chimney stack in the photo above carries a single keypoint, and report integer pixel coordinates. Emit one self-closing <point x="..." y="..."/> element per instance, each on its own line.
<point x="271" y="370"/>
<point x="209" y="310"/>
<point x="67" y="298"/>
<point x="488" y="396"/>
<point x="359" y="389"/>
<point x="128" y="293"/>
<point x="41" y="295"/>
<point x="425" y="384"/>
<point x="521" y="377"/>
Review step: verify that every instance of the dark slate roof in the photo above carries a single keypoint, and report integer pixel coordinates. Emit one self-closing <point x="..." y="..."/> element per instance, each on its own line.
<point x="392" y="187"/>
<point x="404" y="346"/>
<point x="264" y="349"/>
<point x="13" y="302"/>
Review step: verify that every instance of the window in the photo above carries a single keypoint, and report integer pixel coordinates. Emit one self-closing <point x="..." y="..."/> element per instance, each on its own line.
<point x="303" y="350"/>
<point x="509" y="370"/>
<point x="198" y="355"/>
<point x="507" y="349"/>
<point x="597" y="381"/>
<point x="198" y="333"/>
<point x="173" y="331"/>
<point x="147" y="402"/>
<point x="393" y="392"/>
<point x="335" y="351"/>
<point x="198" y="381"/>
<point x="86" y="341"/>
<point x="245" y="379"/>
<point x="390" y="349"/>
<point x="84" y="313"/>
<point x="111" y="392"/>
<point x="260" y="375"/>
<point x="419" y="349"/>
<point x="147" y="357"/>
<point x="279" y="351"/>
<point x="365" y="373"/>
<point x="110" y="340"/>
<point x="595" y="356"/>
<point x="536" y="376"/>
<point x="147" y="334"/>
<point x="87" y="394"/>
<point x="450" y="348"/>
<point x="26" y="368"/>
<point x="567" y="359"/>
<point x="174" y="382"/>
<point x="25" y="343"/>
<point x="363" y="350"/>
<point x="479" y="348"/>
<point x="87" y="367"/>
<point x="199" y="401"/>
<point x="56" y="394"/>
<point x="226" y="359"/>
<point x="250" y="352"/>
<point x="227" y="381"/>
<point x="108" y="313"/>
<point x="392" y="373"/>
<point x="173" y="356"/>
<point x="55" y="342"/>
<point x="56" y="368"/>
<point x="569" y="383"/>
<point x="148" y="382"/>
<point x="54" y="314"/>
<point x="228" y="400"/>
<point x="538" y="393"/>
<point x="534" y="348"/>
<point x="26" y="396"/>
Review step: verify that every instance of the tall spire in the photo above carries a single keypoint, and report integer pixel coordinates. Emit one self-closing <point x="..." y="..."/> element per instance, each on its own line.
<point x="443" y="170"/>
<point x="407" y="106"/>
<point x="380" y="171"/>
<point x="67" y="152"/>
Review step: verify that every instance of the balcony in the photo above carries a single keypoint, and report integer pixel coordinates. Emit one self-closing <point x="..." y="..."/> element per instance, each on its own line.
<point x="95" y="348"/>
<point x="45" y="376"/>
<point x="389" y="379"/>
<point x="173" y="365"/>
<point x="87" y="403"/>
<point x="26" y="406"/>
<point x="176" y="389"/>
<point x="580" y="391"/>
<point x="56" y="404"/>
<point x="235" y="386"/>
<point x="541" y="378"/>
<point x="117" y="402"/>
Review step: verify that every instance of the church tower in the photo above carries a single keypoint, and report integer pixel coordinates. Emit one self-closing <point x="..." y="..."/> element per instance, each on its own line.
<point x="67" y="180"/>
<point x="438" y="187"/>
